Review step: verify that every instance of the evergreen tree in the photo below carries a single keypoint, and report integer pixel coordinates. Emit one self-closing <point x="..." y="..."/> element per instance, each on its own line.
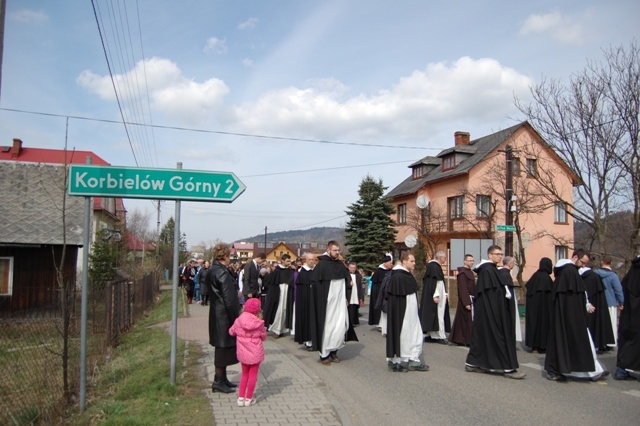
<point x="165" y="245"/>
<point x="370" y="232"/>
<point x="104" y="257"/>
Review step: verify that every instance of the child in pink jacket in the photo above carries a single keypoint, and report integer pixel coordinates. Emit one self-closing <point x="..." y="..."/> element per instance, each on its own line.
<point x="250" y="332"/>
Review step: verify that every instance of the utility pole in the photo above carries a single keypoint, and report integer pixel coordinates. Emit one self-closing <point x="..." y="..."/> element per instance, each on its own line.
<point x="265" y="240"/>
<point x="3" y="10"/>
<point x="508" y="235"/>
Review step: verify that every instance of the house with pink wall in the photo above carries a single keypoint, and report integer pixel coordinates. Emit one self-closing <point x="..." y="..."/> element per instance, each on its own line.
<point x="461" y="195"/>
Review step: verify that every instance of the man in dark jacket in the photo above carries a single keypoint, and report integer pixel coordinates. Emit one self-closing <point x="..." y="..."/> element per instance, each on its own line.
<point x="224" y="310"/>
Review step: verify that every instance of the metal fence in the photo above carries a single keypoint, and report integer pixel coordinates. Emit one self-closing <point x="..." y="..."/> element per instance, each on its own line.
<point x="34" y="353"/>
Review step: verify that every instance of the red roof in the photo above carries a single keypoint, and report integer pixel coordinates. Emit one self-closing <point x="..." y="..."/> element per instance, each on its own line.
<point x="136" y="244"/>
<point x="50" y="156"/>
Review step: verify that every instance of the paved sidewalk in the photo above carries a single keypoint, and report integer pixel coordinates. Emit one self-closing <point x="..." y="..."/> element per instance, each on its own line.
<point x="287" y="393"/>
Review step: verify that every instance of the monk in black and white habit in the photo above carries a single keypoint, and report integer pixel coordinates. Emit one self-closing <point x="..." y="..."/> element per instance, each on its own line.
<point x="376" y="283"/>
<point x="434" y="305"/>
<point x="332" y="327"/>
<point x="570" y="350"/>
<point x="304" y="309"/>
<point x="404" y="333"/>
<point x="493" y="346"/>
<point x="278" y="310"/>
<point x="538" y="307"/>
<point x="599" y="322"/>
<point x="629" y="327"/>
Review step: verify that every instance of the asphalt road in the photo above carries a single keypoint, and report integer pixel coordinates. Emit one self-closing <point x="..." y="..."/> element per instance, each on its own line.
<point x="372" y="395"/>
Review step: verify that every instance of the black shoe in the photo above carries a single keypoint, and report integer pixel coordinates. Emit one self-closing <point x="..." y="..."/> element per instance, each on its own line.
<point x="470" y="369"/>
<point x="220" y="386"/>
<point x="230" y="384"/>
<point x="417" y="366"/>
<point x="399" y="368"/>
<point x="555" y="377"/>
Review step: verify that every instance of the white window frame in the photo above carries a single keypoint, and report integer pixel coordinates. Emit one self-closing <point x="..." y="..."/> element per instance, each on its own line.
<point x="532" y="167"/>
<point x="560" y="212"/>
<point x="456" y="207"/>
<point x="483" y="205"/>
<point x="402" y="213"/>
<point x="561" y="252"/>
<point x="7" y="260"/>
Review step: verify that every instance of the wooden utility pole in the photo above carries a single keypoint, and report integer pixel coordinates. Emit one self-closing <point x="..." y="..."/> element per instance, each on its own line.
<point x="508" y="235"/>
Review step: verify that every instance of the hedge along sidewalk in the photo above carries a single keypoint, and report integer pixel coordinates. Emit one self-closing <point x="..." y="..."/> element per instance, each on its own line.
<point x="286" y="392"/>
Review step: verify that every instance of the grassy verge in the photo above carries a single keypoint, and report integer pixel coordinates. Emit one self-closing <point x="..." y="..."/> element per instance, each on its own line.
<point x="134" y="387"/>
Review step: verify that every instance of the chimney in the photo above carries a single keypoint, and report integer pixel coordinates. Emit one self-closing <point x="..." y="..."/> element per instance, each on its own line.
<point x="16" y="148"/>
<point x="462" y="138"/>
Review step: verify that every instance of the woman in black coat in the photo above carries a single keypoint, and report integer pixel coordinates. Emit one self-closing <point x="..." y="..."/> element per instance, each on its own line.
<point x="224" y="310"/>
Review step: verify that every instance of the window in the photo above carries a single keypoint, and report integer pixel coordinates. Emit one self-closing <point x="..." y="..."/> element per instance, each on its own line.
<point x="561" y="252"/>
<point x="456" y="207"/>
<point x="482" y="206"/>
<point x="449" y="162"/>
<point x="402" y="213"/>
<point x="6" y="276"/>
<point x="516" y="166"/>
<point x="559" y="212"/>
<point x="418" y="172"/>
<point x="532" y="167"/>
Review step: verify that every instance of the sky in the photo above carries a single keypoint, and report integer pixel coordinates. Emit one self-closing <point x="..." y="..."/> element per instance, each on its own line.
<point x="299" y="99"/>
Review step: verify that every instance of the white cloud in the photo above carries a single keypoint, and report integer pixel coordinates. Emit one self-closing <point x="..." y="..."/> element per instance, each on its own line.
<point x="29" y="16"/>
<point x="560" y="27"/>
<point x="468" y="90"/>
<point x="249" y="24"/>
<point x="247" y="62"/>
<point x="215" y="45"/>
<point x="170" y="92"/>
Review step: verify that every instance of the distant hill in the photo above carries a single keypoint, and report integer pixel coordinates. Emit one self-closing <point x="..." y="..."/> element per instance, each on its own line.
<point x="320" y="235"/>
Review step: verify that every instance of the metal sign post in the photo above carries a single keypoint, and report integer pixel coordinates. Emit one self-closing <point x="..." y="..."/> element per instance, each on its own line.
<point x="161" y="184"/>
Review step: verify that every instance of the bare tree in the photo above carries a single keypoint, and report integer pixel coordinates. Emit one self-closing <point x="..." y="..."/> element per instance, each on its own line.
<point x="592" y="123"/>
<point x="431" y="223"/>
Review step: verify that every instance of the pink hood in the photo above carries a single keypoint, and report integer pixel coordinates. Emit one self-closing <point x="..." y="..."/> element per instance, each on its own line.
<point x="250" y="332"/>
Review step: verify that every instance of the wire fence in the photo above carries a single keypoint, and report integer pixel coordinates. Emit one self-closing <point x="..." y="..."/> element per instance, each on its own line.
<point x="40" y="352"/>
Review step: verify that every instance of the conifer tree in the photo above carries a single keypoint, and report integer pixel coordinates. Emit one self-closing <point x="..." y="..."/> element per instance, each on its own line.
<point x="370" y="232"/>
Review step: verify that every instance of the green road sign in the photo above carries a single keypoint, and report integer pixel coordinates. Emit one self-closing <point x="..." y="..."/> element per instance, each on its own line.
<point x="507" y="228"/>
<point x="163" y="184"/>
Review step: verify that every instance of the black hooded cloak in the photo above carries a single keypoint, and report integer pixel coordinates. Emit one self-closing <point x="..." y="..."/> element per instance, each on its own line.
<point x="280" y="275"/>
<point x="326" y="270"/>
<point x="401" y="286"/>
<point x="538" y="306"/>
<point x="629" y="326"/>
<point x="492" y="344"/>
<point x="568" y="347"/>
<point x="304" y="307"/>
<point x="429" y="308"/>
<point x="599" y="322"/>
<point x="376" y="283"/>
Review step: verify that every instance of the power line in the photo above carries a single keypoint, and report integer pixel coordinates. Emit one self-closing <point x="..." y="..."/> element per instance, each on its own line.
<point x="218" y="132"/>
<point x="113" y="83"/>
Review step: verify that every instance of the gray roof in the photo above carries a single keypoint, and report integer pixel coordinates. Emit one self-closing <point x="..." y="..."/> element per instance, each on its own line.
<point x="31" y="208"/>
<point x="479" y="148"/>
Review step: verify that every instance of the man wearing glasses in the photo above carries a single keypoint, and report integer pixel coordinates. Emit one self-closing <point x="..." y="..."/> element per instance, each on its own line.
<point x="570" y="350"/>
<point x="492" y="350"/>
<point x="329" y="286"/>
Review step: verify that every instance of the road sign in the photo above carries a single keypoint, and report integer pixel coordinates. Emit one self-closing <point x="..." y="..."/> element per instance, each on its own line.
<point x="163" y="184"/>
<point x="506" y="228"/>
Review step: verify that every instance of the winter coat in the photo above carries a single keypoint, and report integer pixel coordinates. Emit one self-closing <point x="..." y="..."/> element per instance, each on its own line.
<point x="225" y="307"/>
<point x="250" y="333"/>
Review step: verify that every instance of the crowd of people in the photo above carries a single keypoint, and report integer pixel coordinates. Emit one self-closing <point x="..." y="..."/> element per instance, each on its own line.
<point x="570" y="318"/>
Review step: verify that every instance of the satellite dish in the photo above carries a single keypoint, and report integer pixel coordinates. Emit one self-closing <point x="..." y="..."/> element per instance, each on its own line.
<point x="410" y="241"/>
<point x="422" y="201"/>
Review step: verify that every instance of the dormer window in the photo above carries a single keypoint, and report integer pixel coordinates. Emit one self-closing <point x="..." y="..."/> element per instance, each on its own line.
<point x="449" y="162"/>
<point x="418" y="172"/>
